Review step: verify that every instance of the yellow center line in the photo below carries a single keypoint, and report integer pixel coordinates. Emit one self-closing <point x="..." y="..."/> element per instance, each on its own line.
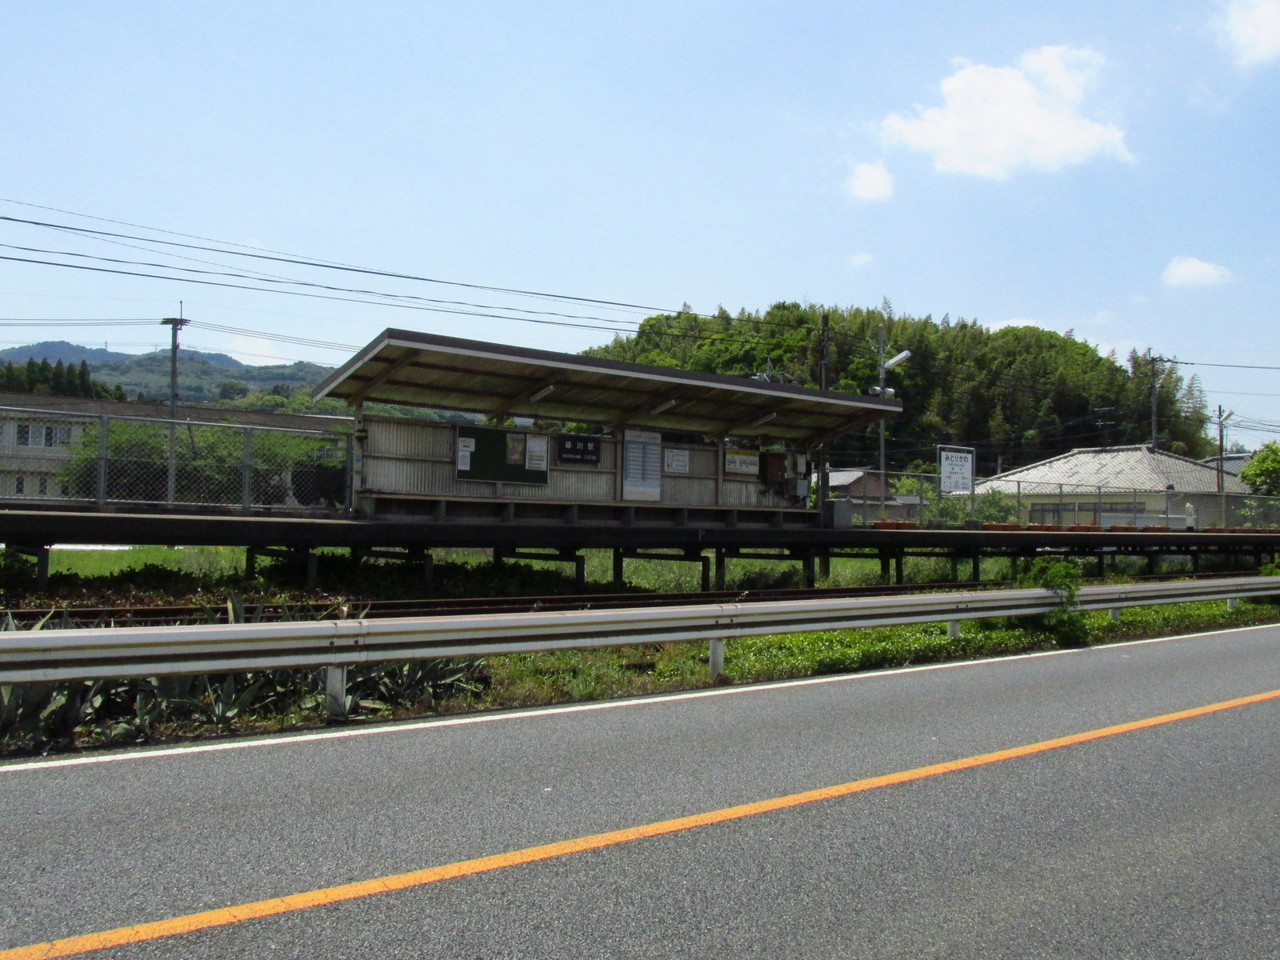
<point x="224" y="916"/>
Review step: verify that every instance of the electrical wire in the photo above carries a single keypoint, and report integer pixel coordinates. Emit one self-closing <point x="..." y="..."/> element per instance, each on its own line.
<point x="296" y="259"/>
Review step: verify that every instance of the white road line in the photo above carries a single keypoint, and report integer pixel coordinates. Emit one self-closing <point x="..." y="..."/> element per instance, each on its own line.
<point x="512" y="715"/>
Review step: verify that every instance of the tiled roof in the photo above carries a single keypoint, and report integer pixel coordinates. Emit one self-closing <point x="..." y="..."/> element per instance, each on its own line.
<point x="1127" y="468"/>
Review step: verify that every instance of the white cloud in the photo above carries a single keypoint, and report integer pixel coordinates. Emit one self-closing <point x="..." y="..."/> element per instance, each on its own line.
<point x="871" y="181"/>
<point x="1193" y="272"/>
<point x="860" y="259"/>
<point x="1250" y="31"/>
<point x="999" y="120"/>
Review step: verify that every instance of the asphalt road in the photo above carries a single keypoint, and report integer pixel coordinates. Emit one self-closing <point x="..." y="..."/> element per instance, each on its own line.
<point x="1161" y="841"/>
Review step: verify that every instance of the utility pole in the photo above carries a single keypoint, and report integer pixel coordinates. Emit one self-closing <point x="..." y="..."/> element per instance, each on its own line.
<point x="824" y="377"/>
<point x="1154" y="395"/>
<point x="1222" y="450"/>
<point x="174" y="324"/>
<point x="880" y="392"/>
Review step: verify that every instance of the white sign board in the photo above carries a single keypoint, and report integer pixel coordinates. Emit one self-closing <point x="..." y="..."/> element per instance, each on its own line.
<point x="642" y="465"/>
<point x="675" y="461"/>
<point x="956" y="468"/>
<point x="535" y="452"/>
<point x="742" y="461"/>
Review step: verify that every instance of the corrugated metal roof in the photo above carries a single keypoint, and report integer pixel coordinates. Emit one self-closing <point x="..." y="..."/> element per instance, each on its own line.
<point x="1128" y="468"/>
<point x="500" y="381"/>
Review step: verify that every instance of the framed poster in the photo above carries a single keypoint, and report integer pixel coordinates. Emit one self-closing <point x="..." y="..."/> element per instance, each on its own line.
<point x="742" y="461"/>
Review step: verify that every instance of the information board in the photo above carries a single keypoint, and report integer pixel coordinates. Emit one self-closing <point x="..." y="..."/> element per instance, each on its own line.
<point x="642" y="466"/>
<point x="956" y="469"/>
<point x="742" y="461"/>
<point x="503" y="456"/>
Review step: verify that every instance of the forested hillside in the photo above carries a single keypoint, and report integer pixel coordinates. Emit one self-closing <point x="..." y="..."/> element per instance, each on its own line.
<point x="202" y="377"/>
<point x="1018" y="395"/>
<point x="55" y="379"/>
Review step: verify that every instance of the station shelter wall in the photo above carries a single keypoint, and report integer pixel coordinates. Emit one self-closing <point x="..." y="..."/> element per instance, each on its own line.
<point x="419" y="458"/>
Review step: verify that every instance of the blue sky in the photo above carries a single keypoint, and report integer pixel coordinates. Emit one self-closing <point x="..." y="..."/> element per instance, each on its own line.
<point x="1109" y="169"/>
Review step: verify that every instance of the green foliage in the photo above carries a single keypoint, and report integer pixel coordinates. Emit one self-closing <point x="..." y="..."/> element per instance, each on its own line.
<point x="1063" y="578"/>
<point x="57" y="380"/>
<point x="1262" y="472"/>
<point x="953" y="510"/>
<point x="1019" y="394"/>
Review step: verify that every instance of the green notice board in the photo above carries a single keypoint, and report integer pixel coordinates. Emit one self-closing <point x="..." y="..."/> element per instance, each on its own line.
<point x="504" y="456"/>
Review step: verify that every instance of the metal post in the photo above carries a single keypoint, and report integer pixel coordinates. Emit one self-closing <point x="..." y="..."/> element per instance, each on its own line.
<point x="883" y="478"/>
<point x="824" y="474"/>
<point x="246" y="470"/>
<point x="175" y="324"/>
<point x="104" y="427"/>
<point x="335" y="692"/>
<point x="715" y="659"/>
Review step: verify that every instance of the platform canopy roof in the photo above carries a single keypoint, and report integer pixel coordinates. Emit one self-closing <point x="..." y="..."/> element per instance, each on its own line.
<point x="499" y="381"/>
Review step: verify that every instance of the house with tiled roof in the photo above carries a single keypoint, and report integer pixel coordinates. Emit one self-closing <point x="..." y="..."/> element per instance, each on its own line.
<point x="1123" y="486"/>
<point x="870" y="496"/>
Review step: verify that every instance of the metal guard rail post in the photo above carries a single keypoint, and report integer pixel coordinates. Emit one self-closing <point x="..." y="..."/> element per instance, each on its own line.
<point x="51" y="655"/>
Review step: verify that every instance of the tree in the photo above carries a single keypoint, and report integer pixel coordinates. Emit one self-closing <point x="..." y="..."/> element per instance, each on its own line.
<point x="230" y="390"/>
<point x="1262" y="473"/>
<point x="1017" y="395"/>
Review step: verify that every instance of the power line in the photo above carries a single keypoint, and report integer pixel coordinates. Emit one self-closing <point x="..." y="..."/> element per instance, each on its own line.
<point x="300" y="293"/>
<point x="296" y="259"/>
<point x="330" y="265"/>
<point x="267" y="278"/>
<point x="74" y="323"/>
<point x="1204" y="363"/>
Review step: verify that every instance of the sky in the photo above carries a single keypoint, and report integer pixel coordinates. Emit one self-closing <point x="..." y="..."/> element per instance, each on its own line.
<point x="546" y="174"/>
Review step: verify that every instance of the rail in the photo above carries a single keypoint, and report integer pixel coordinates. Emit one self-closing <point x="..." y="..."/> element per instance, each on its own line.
<point x="50" y="655"/>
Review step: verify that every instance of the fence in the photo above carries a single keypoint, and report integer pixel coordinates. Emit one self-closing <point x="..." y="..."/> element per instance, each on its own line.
<point x="42" y="656"/>
<point x="918" y="498"/>
<point x="105" y="459"/>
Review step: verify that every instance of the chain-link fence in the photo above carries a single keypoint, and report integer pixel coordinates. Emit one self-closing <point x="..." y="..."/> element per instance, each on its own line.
<point x="918" y="499"/>
<point x="56" y="456"/>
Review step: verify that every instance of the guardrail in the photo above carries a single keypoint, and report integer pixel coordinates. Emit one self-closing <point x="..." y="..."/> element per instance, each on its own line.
<point x="49" y="655"/>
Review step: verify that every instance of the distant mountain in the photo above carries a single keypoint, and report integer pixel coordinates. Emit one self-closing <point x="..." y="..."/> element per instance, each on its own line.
<point x="55" y="350"/>
<point x="201" y="376"/>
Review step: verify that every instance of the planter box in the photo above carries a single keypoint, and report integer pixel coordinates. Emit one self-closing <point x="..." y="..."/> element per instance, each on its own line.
<point x="1044" y="527"/>
<point x="895" y="524"/>
<point x="1122" y="528"/>
<point x="1002" y="526"/>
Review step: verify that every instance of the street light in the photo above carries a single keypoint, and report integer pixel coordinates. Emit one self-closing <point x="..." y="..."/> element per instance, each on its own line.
<point x="880" y="391"/>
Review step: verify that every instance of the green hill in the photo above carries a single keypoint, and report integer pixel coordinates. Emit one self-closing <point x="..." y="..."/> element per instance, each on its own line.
<point x="1016" y="395"/>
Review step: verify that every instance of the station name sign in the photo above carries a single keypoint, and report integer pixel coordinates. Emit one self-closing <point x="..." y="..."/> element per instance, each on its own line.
<point x="571" y="448"/>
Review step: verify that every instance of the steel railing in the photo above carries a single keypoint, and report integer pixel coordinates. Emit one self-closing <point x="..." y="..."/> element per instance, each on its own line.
<point x="52" y="655"/>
